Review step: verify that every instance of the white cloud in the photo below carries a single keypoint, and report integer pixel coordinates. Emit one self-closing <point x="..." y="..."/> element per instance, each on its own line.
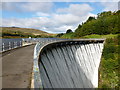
<point x="35" y="6"/>
<point x="64" y="28"/>
<point x="67" y="19"/>
<point x="74" y="14"/>
<point x="42" y="14"/>
<point x="77" y="9"/>
<point x="10" y="6"/>
<point x="37" y="22"/>
<point x="44" y="7"/>
<point x="110" y="6"/>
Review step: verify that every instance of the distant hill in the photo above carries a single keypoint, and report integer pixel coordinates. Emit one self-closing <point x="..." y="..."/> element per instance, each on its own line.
<point x="16" y="32"/>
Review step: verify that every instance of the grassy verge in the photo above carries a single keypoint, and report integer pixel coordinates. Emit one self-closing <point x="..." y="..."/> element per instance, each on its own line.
<point x="100" y="36"/>
<point x="72" y="35"/>
<point x="109" y="67"/>
<point x="68" y="36"/>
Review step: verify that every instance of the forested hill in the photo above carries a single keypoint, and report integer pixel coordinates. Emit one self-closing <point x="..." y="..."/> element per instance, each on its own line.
<point x="105" y="23"/>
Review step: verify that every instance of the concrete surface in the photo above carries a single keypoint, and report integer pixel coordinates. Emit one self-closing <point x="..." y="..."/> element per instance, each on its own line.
<point x="17" y="67"/>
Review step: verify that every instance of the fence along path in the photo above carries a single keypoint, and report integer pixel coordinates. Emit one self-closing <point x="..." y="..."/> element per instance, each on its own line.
<point x="8" y="44"/>
<point x="67" y="64"/>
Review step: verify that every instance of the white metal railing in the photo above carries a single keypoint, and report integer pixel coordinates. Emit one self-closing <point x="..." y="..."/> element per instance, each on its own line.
<point x="8" y="44"/>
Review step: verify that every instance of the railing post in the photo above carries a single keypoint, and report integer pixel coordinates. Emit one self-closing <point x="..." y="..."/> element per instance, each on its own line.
<point x="3" y="47"/>
<point x="9" y="46"/>
<point x="20" y="43"/>
<point x="14" y="44"/>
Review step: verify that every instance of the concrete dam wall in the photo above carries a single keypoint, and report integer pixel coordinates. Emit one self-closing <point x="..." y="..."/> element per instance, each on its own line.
<point x="67" y="64"/>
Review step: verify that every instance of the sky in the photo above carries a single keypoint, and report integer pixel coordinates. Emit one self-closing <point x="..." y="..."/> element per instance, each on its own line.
<point x="52" y="17"/>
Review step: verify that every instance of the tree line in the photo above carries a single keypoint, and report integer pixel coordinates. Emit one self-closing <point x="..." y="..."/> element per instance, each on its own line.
<point x="105" y="23"/>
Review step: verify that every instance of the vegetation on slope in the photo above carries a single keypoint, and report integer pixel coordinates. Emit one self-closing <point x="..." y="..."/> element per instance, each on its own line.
<point x="16" y="32"/>
<point x="109" y="70"/>
<point x="68" y="35"/>
<point x="100" y="36"/>
<point x="105" y="23"/>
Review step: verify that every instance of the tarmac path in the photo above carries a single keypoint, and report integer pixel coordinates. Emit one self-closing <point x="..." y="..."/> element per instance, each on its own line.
<point x="17" y="67"/>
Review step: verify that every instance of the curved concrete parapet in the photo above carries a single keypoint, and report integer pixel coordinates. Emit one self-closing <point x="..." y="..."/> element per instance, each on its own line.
<point x="67" y="63"/>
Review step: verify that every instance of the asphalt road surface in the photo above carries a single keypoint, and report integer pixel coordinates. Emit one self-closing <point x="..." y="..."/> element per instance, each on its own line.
<point x="17" y="67"/>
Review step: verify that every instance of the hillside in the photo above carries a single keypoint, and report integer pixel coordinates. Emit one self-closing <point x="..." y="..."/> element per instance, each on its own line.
<point x="16" y="32"/>
<point x="105" y="23"/>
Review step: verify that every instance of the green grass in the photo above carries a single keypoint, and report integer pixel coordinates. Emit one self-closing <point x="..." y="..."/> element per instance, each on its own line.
<point x="100" y="36"/>
<point x="68" y="36"/>
<point x="109" y="67"/>
<point x="72" y="35"/>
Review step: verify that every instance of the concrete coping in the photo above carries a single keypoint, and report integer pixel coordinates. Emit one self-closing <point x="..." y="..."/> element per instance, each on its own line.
<point x="68" y="42"/>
